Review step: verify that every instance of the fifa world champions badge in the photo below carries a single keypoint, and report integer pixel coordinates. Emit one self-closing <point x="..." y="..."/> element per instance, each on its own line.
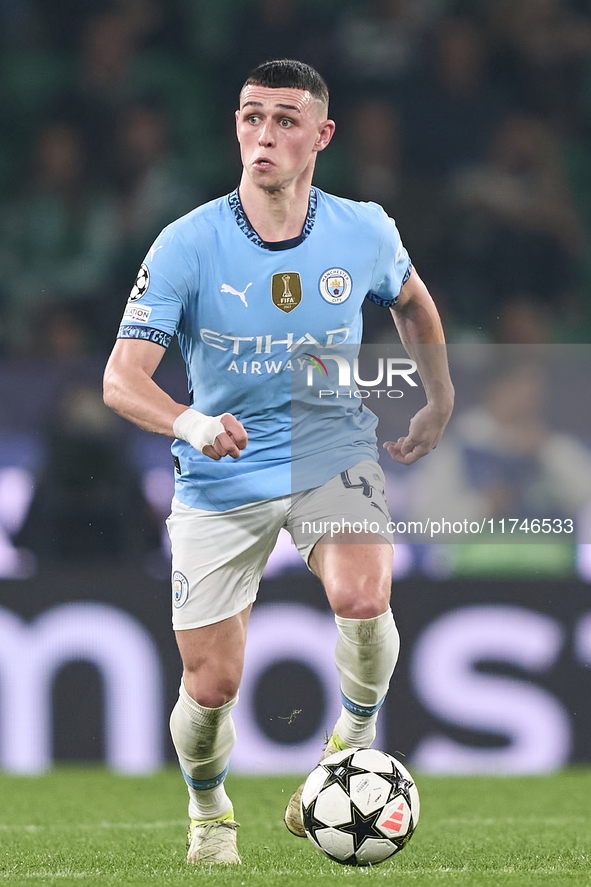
<point x="335" y="286"/>
<point x="286" y="290"/>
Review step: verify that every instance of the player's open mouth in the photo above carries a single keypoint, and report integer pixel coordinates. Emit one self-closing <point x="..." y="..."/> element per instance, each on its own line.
<point x="263" y="163"/>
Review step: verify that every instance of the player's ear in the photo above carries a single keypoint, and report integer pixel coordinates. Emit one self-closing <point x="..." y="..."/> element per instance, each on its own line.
<point x="325" y="134"/>
<point x="237" y="116"/>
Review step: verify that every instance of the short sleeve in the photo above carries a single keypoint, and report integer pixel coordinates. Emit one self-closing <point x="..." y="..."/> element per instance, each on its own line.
<point x="392" y="269"/>
<point x="161" y="290"/>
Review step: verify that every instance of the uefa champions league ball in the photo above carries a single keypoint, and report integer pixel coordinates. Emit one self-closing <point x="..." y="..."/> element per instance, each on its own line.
<point x="360" y="806"/>
<point x="142" y="282"/>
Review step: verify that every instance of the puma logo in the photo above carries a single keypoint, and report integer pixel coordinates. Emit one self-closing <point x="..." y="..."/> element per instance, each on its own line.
<point x="154" y="249"/>
<point x="226" y="288"/>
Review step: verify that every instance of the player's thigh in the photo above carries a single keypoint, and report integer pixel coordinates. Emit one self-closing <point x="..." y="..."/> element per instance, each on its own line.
<point x="356" y="573"/>
<point x="343" y="531"/>
<point x="218" y="559"/>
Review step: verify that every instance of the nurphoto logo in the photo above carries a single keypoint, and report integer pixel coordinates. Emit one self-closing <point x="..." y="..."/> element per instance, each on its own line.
<point x="389" y="371"/>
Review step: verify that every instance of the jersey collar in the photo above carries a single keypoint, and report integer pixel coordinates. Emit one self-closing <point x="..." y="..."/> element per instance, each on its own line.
<point x="244" y="223"/>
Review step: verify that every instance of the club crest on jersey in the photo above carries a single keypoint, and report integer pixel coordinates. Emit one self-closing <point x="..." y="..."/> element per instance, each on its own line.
<point x="286" y="290"/>
<point x="142" y="282"/>
<point x="335" y="286"/>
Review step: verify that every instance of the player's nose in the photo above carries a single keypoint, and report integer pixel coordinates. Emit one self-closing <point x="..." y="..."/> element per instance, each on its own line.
<point x="266" y="136"/>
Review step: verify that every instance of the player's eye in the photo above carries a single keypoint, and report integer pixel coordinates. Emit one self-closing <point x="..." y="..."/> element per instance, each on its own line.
<point x="253" y="118"/>
<point x="285" y="122"/>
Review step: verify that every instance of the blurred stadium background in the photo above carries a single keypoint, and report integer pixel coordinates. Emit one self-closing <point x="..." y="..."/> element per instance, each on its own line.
<point x="470" y="122"/>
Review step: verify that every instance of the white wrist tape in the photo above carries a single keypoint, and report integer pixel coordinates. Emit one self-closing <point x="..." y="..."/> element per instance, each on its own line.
<point x="197" y="429"/>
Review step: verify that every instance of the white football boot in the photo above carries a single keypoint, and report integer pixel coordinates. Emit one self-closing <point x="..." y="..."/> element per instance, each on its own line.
<point x="213" y="841"/>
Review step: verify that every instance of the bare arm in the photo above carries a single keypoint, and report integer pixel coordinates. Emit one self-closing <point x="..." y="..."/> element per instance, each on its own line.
<point x="129" y="389"/>
<point x="419" y="326"/>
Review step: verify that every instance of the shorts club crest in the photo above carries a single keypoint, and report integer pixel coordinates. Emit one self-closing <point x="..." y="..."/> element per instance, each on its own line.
<point x="180" y="589"/>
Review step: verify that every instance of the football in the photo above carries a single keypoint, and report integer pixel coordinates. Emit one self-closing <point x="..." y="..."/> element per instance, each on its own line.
<point x="360" y="806"/>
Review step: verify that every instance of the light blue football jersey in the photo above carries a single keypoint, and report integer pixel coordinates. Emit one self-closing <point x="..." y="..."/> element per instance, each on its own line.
<point x="245" y="313"/>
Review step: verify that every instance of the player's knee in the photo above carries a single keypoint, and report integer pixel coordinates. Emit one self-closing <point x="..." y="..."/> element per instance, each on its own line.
<point x="211" y="687"/>
<point x="353" y="601"/>
<point x="363" y="609"/>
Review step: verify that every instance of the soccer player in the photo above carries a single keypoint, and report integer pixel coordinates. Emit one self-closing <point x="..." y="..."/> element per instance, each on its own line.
<point x="247" y="282"/>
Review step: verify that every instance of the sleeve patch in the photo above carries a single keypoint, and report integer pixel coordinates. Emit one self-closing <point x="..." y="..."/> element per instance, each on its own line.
<point x="147" y="333"/>
<point x="139" y="313"/>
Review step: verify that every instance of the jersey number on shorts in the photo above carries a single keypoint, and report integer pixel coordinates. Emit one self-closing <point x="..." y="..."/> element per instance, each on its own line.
<point x="364" y="485"/>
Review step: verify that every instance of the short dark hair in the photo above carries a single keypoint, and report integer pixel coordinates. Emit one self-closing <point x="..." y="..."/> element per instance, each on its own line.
<point x="291" y="74"/>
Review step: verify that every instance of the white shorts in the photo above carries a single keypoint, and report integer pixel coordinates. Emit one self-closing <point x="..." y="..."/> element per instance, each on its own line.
<point x="218" y="557"/>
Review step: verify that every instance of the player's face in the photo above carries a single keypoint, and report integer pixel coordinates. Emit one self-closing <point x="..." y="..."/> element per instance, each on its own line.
<point x="280" y="132"/>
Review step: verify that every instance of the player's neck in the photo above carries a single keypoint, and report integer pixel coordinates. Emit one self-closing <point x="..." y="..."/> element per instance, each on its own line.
<point x="275" y="215"/>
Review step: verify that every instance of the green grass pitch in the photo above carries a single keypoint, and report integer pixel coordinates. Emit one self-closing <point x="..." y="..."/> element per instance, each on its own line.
<point x="86" y="826"/>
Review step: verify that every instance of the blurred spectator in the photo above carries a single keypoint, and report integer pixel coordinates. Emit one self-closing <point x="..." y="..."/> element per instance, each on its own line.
<point x="104" y="84"/>
<point x="512" y="224"/>
<point x="59" y="331"/>
<point x="88" y="502"/>
<point x="155" y="22"/>
<point x="152" y="184"/>
<point x="58" y="235"/>
<point x="373" y="127"/>
<point x="373" y="134"/>
<point x="115" y="70"/>
<point x="542" y="44"/>
<point x="108" y="50"/>
<point x="63" y="21"/>
<point x="378" y="42"/>
<point x="451" y="108"/>
<point x="523" y="320"/>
